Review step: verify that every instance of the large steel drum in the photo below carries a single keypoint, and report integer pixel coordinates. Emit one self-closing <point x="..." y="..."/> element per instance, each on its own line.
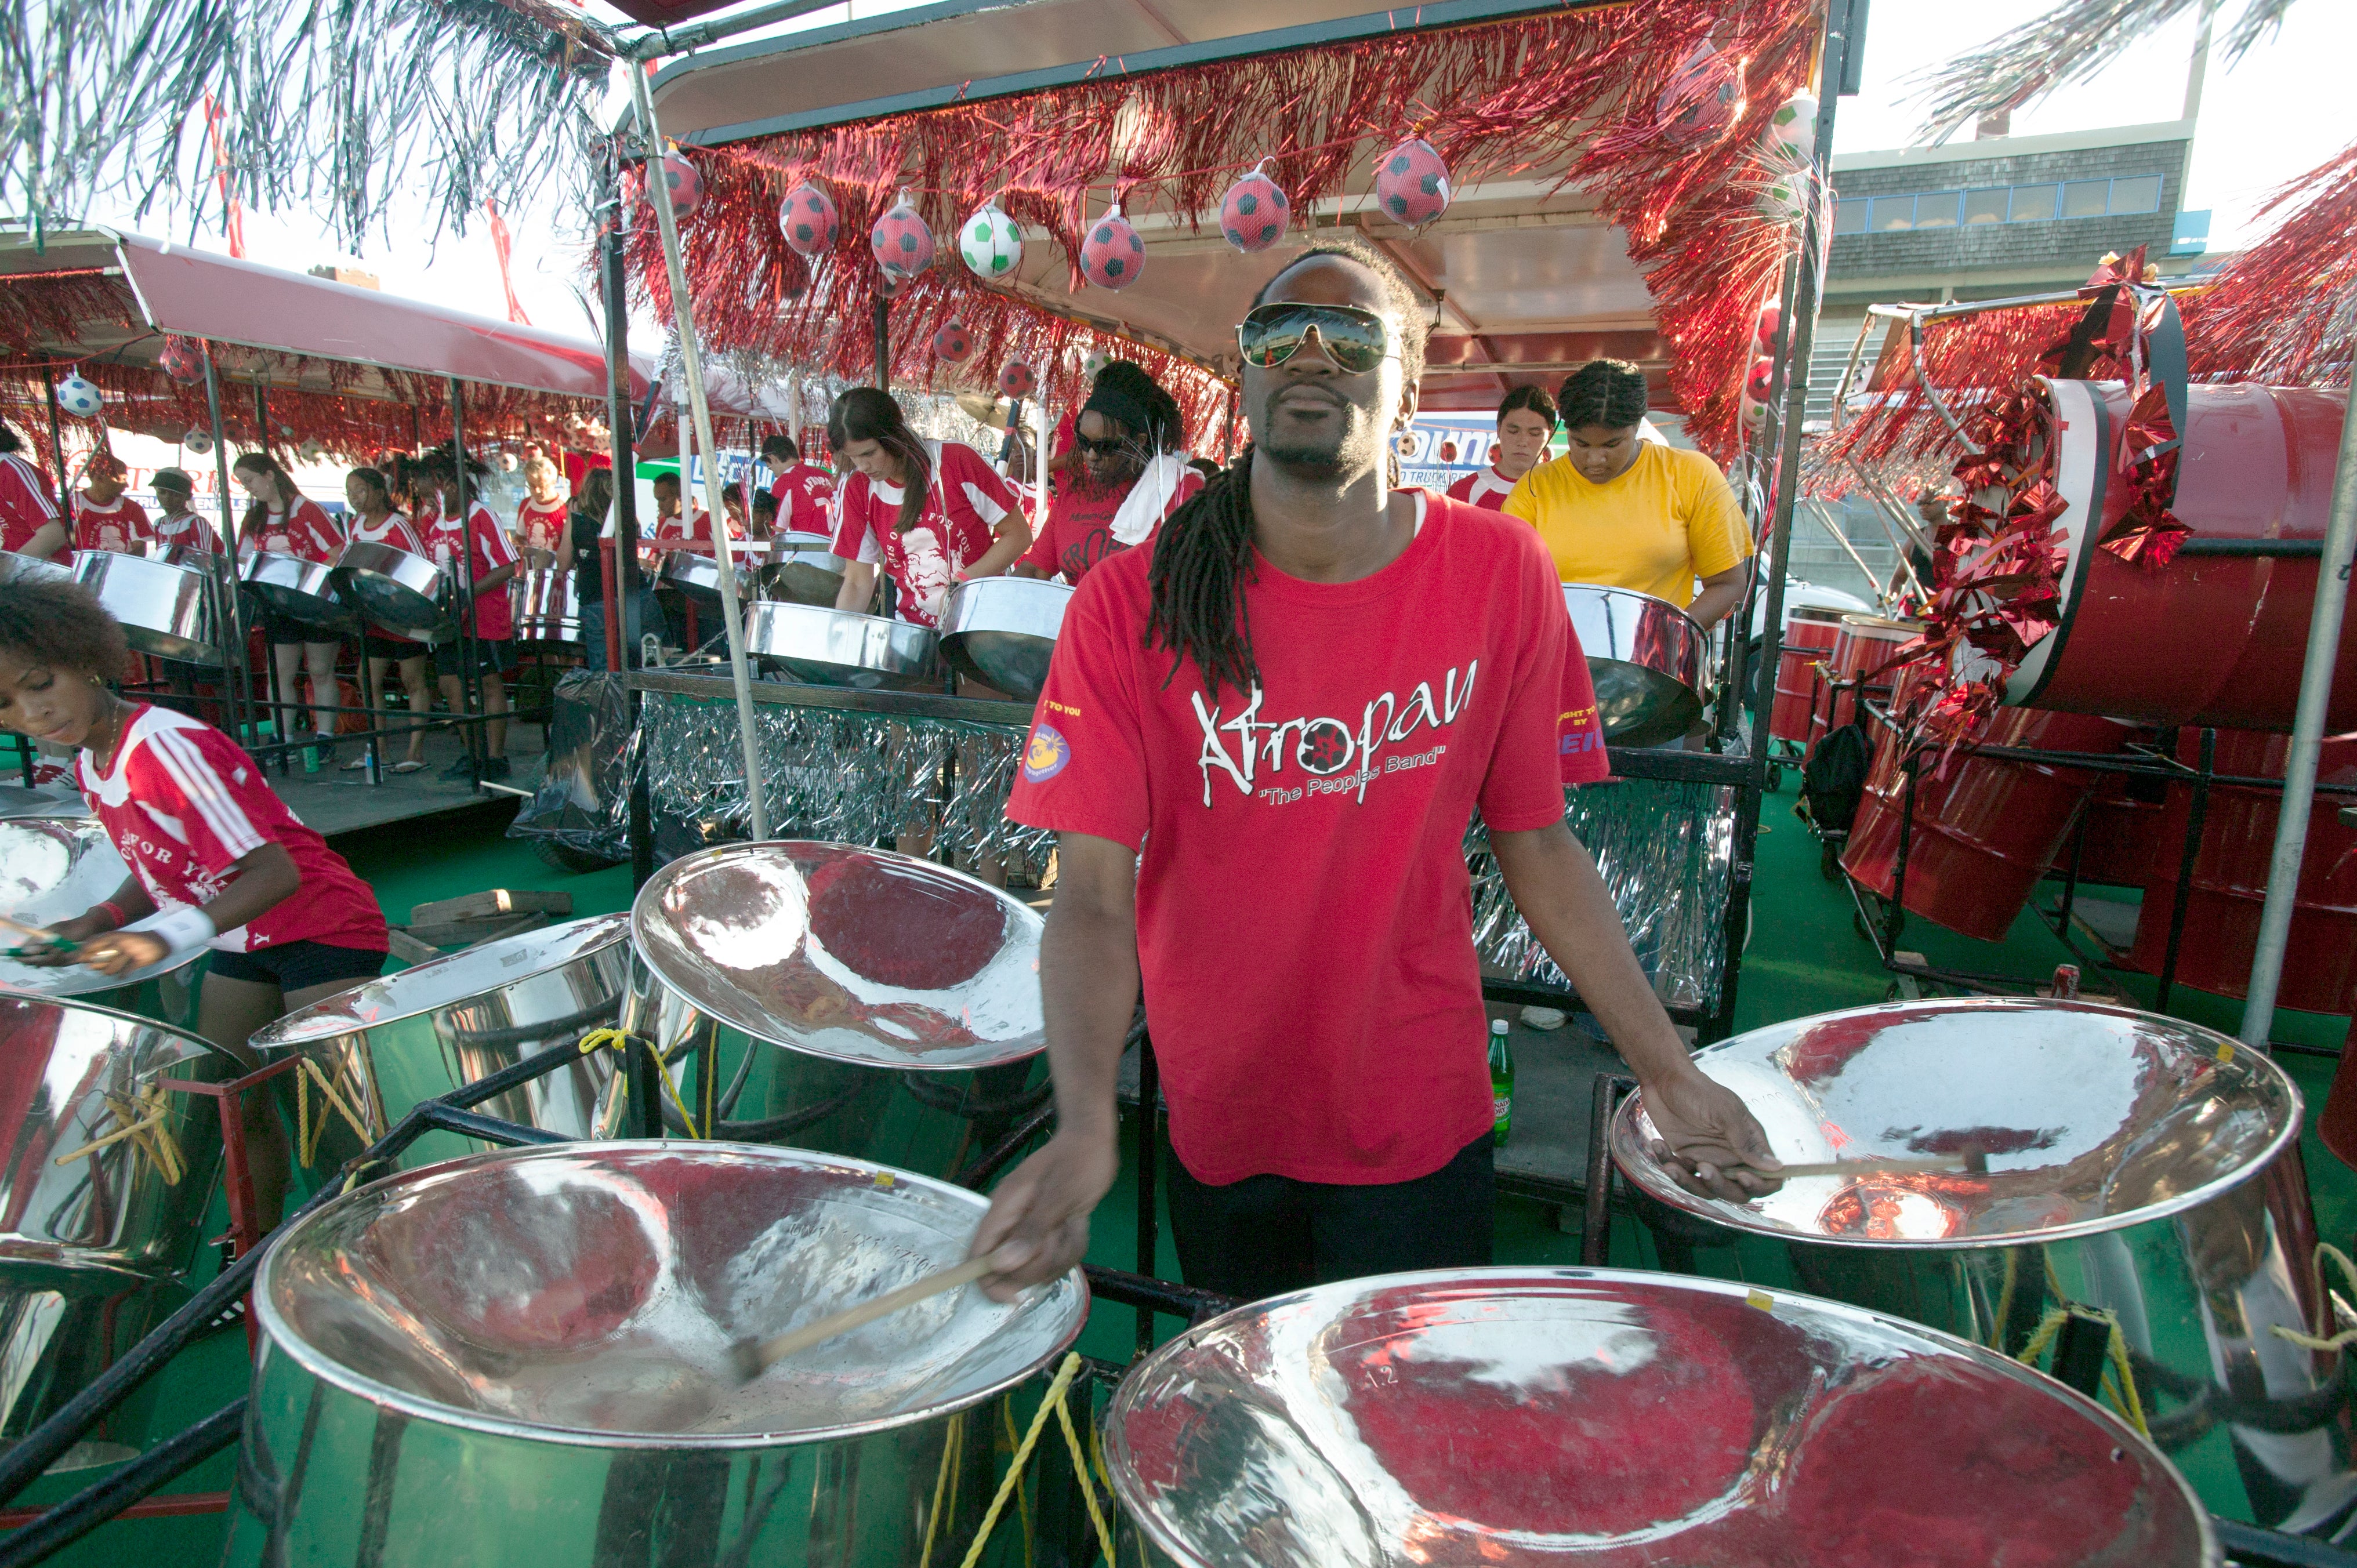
<point x="801" y="569"/>
<point x="32" y="568"/>
<point x="1985" y="832"/>
<point x="93" y="1243"/>
<point x="421" y="1033"/>
<point x="300" y="590"/>
<point x="2131" y="1170"/>
<point x="2230" y="879"/>
<point x="53" y="868"/>
<point x="1809" y="637"/>
<point x="524" y="1357"/>
<point x="902" y="997"/>
<point x="1648" y="660"/>
<point x="2257" y="465"/>
<point x="842" y="648"/>
<point x="1002" y="630"/>
<point x="1862" y="646"/>
<point x="697" y="576"/>
<point x="404" y="594"/>
<point x="546" y="604"/>
<point x="168" y="611"/>
<point x="1533" y="1416"/>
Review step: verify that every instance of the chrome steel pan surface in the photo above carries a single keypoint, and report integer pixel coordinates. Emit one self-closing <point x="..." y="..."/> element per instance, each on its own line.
<point x="53" y="868"/>
<point x="398" y="591"/>
<point x="801" y="569"/>
<point x="842" y="648"/>
<point x="1520" y="1417"/>
<point x="1649" y="661"/>
<point x="298" y="590"/>
<point x="14" y="565"/>
<point x="1002" y="630"/>
<point x="546" y="602"/>
<point x="168" y="610"/>
<point x="429" y="1030"/>
<point x="2091" y="1118"/>
<point x="860" y="955"/>
<point x="698" y="577"/>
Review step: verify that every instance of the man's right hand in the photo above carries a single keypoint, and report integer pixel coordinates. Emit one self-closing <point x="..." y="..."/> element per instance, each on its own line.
<point x="72" y="934"/>
<point x="1038" y="1219"/>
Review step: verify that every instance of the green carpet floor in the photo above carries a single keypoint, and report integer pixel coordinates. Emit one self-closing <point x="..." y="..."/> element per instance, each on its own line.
<point x="1805" y="956"/>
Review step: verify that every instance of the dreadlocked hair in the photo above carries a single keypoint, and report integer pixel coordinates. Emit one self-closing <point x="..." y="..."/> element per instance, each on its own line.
<point x="869" y="414"/>
<point x="1203" y="551"/>
<point x="59" y="625"/>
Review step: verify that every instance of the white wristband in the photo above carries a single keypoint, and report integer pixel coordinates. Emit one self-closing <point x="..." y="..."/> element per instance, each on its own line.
<point x="183" y="928"/>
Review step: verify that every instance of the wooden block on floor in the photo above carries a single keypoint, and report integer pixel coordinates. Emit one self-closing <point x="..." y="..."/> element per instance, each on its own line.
<point x="408" y="949"/>
<point x="492" y="904"/>
<point x="471" y="933"/>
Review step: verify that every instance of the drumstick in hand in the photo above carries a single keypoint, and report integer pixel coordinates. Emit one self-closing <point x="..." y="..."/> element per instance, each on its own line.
<point x="1969" y="1162"/>
<point x="750" y="1357"/>
<point x="34" y="932"/>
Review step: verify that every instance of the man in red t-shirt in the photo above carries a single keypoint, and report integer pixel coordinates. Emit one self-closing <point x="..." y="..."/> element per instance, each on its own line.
<point x="1291" y="701"/>
<point x="28" y="508"/>
<point x="804" y="491"/>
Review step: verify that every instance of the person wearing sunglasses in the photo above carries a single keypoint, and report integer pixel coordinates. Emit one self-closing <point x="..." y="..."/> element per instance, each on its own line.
<point x="1262" y="736"/>
<point x="1621" y="512"/>
<point x="1133" y="473"/>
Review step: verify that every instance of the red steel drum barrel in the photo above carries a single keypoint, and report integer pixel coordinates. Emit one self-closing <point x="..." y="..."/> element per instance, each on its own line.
<point x="2207" y="639"/>
<point x="1809" y="638"/>
<point x="2230" y="880"/>
<point x="2120" y="838"/>
<point x="1863" y="645"/>
<point x="1986" y="833"/>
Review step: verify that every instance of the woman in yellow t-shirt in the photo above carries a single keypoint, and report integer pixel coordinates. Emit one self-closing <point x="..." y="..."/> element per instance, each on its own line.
<point x="1624" y="513"/>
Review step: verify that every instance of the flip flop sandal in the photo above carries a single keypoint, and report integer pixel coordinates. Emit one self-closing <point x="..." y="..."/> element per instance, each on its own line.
<point x="407" y="766"/>
<point x="357" y="763"/>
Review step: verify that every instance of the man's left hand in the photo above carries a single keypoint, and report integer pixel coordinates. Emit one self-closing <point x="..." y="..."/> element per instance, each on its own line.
<point x="1710" y="1144"/>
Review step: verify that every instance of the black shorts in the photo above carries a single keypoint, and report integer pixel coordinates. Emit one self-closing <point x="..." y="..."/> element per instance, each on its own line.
<point x="395" y="648"/>
<point x="298" y="966"/>
<point x="283" y="629"/>
<point x="491" y="657"/>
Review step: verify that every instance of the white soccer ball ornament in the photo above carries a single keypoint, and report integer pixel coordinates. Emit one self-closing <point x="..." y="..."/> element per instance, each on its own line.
<point x="1793" y="130"/>
<point x="80" y="398"/>
<point x="990" y="242"/>
<point x="197" y="440"/>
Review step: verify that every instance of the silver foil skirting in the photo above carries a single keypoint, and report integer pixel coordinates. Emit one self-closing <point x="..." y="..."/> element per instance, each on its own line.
<point x="1664" y="848"/>
<point x="851" y="777"/>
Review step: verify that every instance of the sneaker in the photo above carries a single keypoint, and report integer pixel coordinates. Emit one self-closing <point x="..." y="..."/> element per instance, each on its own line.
<point x="459" y="772"/>
<point x="1542" y="1018"/>
<point x="496" y="767"/>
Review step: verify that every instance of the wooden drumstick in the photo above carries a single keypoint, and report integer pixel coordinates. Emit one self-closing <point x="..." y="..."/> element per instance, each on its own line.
<point x="34" y="932"/>
<point x="1970" y="1162"/>
<point x="753" y="1357"/>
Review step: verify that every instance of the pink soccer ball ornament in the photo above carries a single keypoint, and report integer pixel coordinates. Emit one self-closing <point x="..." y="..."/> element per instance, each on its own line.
<point x="1113" y="255"/>
<point x="1763" y="331"/>
<point x="1254" y="213"/>
<point x="807" y="219"/>
<point x="1702" y="99"/>
<point x="1016" y="380"/>
<point x="685" y="185"/>
<point x="180" y="360"/>
<point x="1759" y="380"/>
<point x="902" y="244"/>
<point x="953" y="343"/>
<point x="1411" y="183"/>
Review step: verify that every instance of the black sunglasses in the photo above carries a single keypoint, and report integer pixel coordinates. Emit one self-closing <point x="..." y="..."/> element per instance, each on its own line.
<point x="1357" y="340"/>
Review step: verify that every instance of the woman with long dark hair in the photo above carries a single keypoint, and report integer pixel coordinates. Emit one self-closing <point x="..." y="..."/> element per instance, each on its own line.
<point x="376" y="521"/>
<point x="930" y="513"/>
<point x="282" y="520"/>
<point x="1133" y="473"/>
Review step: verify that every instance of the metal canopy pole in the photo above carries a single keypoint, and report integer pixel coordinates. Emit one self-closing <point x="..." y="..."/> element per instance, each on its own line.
<point x="691" y="365"/>
<point x="2307" y="739"/>
<point x="58" y="456"/>
<point x="239" y="687"/>
<point x="624" y="593"/>
<point x="474" y="739"/>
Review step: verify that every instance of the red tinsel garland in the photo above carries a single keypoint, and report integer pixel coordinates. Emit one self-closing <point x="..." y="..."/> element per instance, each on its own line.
<point x="2279" y="312"/>
<point x="1576" y="93"/>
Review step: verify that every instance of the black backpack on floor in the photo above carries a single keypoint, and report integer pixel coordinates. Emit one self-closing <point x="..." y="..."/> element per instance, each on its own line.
<point x="1833" y="781"/>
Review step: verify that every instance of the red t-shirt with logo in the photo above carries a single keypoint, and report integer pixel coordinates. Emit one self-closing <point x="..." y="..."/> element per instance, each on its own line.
<point x="1304" y="912"/>
<point x="121" y="527"/>
<point x="184" y="805"/>
<point x="494" y="617"/>
<point x="541" y="527"/>
<point x="187" y="528"/>
<point x="805" y="497"/>
<point x="964" y="503"/>
<point x="1080" y="528"/>
<point x="308" y="532"/>
<point x="26" y="502"/>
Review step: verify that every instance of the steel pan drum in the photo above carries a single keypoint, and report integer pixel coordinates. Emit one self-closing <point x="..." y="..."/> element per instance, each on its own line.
<point x="426" y="1031"/>
<point x="697" y="577"/>
<point x="1861" y="648"/>
<point x="399" y="592"/>
<point x="801" y="569"/>
<point x="1808" y="638"/>
<point x="300" y="590"/>
<point x="1002" y="630"/>
<point x="14" y="565"/>
<point x="1539" y="1416"/>
<point x="164" y="609"/>
<point x="546" y="1335"/>
<point x="842" y="648"/>
<point x="1649" y="662"/>
<point x="2122" y="1149"/>
<point x="546" y="602"/>
<point x="903" y="997"/>
<point x="52" y="869"/>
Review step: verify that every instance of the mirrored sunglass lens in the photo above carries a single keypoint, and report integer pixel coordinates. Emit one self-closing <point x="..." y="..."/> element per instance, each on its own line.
<point x="1274" y="337"/>
<point x="1352" y="340"/>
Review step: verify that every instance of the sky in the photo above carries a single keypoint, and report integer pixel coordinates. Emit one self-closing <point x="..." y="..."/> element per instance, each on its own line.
<point x="2278" y="114"/>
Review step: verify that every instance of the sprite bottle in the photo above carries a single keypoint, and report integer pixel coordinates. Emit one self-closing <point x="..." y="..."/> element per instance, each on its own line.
<point x="1501" y="1082"/>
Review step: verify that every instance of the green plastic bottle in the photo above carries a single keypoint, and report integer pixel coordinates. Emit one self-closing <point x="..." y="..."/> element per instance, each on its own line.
<point x="1501" y="1082"/>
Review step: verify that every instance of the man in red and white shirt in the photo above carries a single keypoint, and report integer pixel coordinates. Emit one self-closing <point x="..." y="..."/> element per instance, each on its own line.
<point x="1526" y="426"/>
<point x="493" y="562"/>
<point x="28" y="509"/>
<point x="967" y="523"/>
<point x="1301" y="916"/>
<point x="673" y="530"/>
<point x="105" y="517"/>
<point x="180" y="525"/>
<point x="805" y="492"/>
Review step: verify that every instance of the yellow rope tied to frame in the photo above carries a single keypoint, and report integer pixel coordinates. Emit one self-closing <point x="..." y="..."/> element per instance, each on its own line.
<point x="2324" y="1251"/>
<point x="1052" y="1404"/>
<point x="2119" y="1381"/>
<point x="308" y="1132"/>
<point x="144" y="1118"/>
<point x="614" y="1041"/>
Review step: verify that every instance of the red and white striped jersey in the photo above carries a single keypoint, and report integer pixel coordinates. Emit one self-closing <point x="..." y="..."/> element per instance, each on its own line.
<point x="27" y="502"/>
<point x="121" y="526"/>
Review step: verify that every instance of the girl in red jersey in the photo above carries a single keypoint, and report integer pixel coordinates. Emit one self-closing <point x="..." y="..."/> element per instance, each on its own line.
<point x="1133" y="474"/>
<point x="931" y="513"/>
<point x="374" y="521"/>
<point x="283" y="521"/>
<point x="28" y="511"/>
<point x="105" y="517"/>
<point x="540" y="520"/>
<point x="475" y="555"/>
<point x="217" y="860"/>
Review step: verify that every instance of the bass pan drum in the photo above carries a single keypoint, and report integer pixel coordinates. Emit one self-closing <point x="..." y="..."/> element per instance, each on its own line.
<point x="300" y="590"/>
<point x="1648" y="660"/>
<point x="406" y="595"/>
<point x="1002" y="630"/>
<point x="164" y="609"/>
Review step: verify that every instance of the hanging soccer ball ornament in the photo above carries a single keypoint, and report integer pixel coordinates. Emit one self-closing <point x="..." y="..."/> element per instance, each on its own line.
<point x="952" y="343"/>
<point x="1702" y="99"/>
<point x="684" y="184"/>
<point x="990" y="242"/>
<point x="1793" y="129"/>
<point x="180" y="360"/>
<point x="1254" y="213"/>
<point x="808" y="220"/>
<point x="197" y="440"/>
<point x="1760" y="379"/>
<point x="903" y="246"/>
<point x="1113" y="255"/>
<point x="78" y="398"/>
<point x="1411" y="183"/>
<point x="1763" y="330"/>
<point x="1784" y="198"/>
<point x="1016" y="380"/>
